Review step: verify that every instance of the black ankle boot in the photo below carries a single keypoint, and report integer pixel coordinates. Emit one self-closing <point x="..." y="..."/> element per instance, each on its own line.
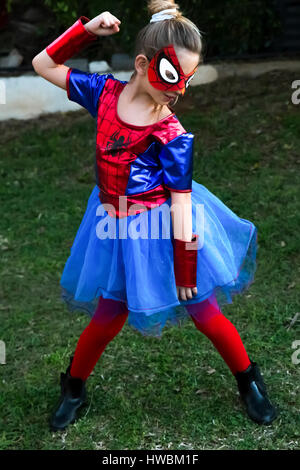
<point x="253" y="393"/>
<point x="73" y="395"/>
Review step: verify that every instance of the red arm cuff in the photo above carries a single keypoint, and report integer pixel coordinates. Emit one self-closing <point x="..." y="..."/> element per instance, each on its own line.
<point x="185" y="261"/>
<point x="71" y="41"/>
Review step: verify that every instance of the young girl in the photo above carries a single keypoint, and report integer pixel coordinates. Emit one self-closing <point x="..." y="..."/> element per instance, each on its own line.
<point x="154" y="246"/>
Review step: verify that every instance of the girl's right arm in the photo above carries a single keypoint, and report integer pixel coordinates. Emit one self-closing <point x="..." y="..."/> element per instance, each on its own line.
<point x="104" y="24"/>
<point x="48" y="69"/>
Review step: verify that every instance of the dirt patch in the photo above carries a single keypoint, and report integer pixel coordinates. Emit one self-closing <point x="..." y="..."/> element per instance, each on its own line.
<point x="11" y="128"/>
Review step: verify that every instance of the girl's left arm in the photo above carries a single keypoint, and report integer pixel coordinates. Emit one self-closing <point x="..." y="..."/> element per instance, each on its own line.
<point x="181" y="211"/>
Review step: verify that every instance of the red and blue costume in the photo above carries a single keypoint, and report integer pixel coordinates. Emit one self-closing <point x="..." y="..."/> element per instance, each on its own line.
<point x="132" y="274"/>
<point x="145" y="163"/>
<point x="142" y="163"/>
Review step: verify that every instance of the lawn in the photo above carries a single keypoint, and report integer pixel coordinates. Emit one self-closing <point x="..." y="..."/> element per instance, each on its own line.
<point x="145" y="393"/>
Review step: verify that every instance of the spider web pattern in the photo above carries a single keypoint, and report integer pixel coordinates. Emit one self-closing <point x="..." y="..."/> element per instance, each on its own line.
<point x="118" y="146"/>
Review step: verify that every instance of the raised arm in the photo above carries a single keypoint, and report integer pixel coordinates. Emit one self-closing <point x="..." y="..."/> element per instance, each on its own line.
<point x="49" y="62"/>
<point x="48" y="69"/>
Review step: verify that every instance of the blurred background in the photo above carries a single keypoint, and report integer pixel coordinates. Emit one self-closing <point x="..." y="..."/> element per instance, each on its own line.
<point x="236" y="29"/>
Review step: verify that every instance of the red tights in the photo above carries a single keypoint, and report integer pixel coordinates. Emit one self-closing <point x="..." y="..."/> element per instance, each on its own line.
<point x="111" y="315"/>
<point x="209" y="319"/>
<point x="106" y="323"/>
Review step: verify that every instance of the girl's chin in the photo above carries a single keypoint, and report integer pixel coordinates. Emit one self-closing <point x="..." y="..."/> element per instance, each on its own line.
<point x="166" y="98"/>
<point x="172" y="101"/>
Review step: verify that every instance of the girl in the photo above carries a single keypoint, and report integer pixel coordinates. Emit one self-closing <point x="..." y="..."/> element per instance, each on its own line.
<point x="154" y="246"/>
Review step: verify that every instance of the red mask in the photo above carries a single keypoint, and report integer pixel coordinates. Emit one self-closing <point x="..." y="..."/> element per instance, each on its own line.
<point x="165" y="73"/>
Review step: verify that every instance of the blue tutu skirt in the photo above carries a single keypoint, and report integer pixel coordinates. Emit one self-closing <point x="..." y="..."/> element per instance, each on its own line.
<point x="131" y="259"/>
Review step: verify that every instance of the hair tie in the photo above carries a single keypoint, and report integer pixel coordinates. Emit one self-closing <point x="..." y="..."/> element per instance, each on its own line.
<point x="163" y="15"/>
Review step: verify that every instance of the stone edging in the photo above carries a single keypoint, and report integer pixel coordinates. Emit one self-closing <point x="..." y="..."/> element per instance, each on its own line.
<point x="29" y="95"/>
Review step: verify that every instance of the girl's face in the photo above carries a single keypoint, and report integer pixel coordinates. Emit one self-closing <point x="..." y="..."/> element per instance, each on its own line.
<point x="170" y="72"/>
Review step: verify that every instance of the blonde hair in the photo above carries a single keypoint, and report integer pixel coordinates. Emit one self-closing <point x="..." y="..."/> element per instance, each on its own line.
<point x="178" y="30"/>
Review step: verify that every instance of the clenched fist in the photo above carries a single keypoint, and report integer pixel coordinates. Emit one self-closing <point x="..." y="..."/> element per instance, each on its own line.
<point x="104" y="24"/>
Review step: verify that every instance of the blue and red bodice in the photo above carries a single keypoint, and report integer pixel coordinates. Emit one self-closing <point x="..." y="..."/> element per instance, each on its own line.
<point x="133" y="164"/>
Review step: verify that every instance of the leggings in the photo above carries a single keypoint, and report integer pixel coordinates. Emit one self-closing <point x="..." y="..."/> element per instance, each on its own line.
<point x="110" y="316"/>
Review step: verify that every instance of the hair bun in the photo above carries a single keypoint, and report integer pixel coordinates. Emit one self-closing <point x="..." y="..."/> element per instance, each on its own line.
<point x="156" y="6"/>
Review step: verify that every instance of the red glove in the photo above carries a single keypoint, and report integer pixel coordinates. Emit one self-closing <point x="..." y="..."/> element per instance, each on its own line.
<point x="71" y="41"/>
<point x="185" y="261"/>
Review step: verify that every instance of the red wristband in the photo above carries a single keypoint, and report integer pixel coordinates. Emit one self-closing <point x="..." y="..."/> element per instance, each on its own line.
<point x="71" y="41"/>
<point x="185" y="261"/>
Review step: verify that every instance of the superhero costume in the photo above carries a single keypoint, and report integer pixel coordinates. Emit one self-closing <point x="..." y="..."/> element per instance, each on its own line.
<point x="145" y="163"/>
<point x="110" y="314"/>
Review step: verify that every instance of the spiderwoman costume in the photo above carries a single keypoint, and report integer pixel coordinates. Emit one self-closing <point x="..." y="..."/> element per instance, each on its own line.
<point x="125" y="249"/>
<point x="125" y="262"/>
<point x="145" y="163"/>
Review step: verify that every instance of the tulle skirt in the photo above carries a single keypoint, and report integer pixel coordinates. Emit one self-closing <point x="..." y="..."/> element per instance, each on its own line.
<point x="130" y="259"/>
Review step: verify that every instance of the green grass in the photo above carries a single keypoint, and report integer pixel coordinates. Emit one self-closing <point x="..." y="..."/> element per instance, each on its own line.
<point x="145" y="393"/>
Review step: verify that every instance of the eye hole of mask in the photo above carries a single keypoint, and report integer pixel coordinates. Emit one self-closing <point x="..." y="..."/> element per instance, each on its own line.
<point x="189" y="81"/>
<point x="168" y="71"/>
